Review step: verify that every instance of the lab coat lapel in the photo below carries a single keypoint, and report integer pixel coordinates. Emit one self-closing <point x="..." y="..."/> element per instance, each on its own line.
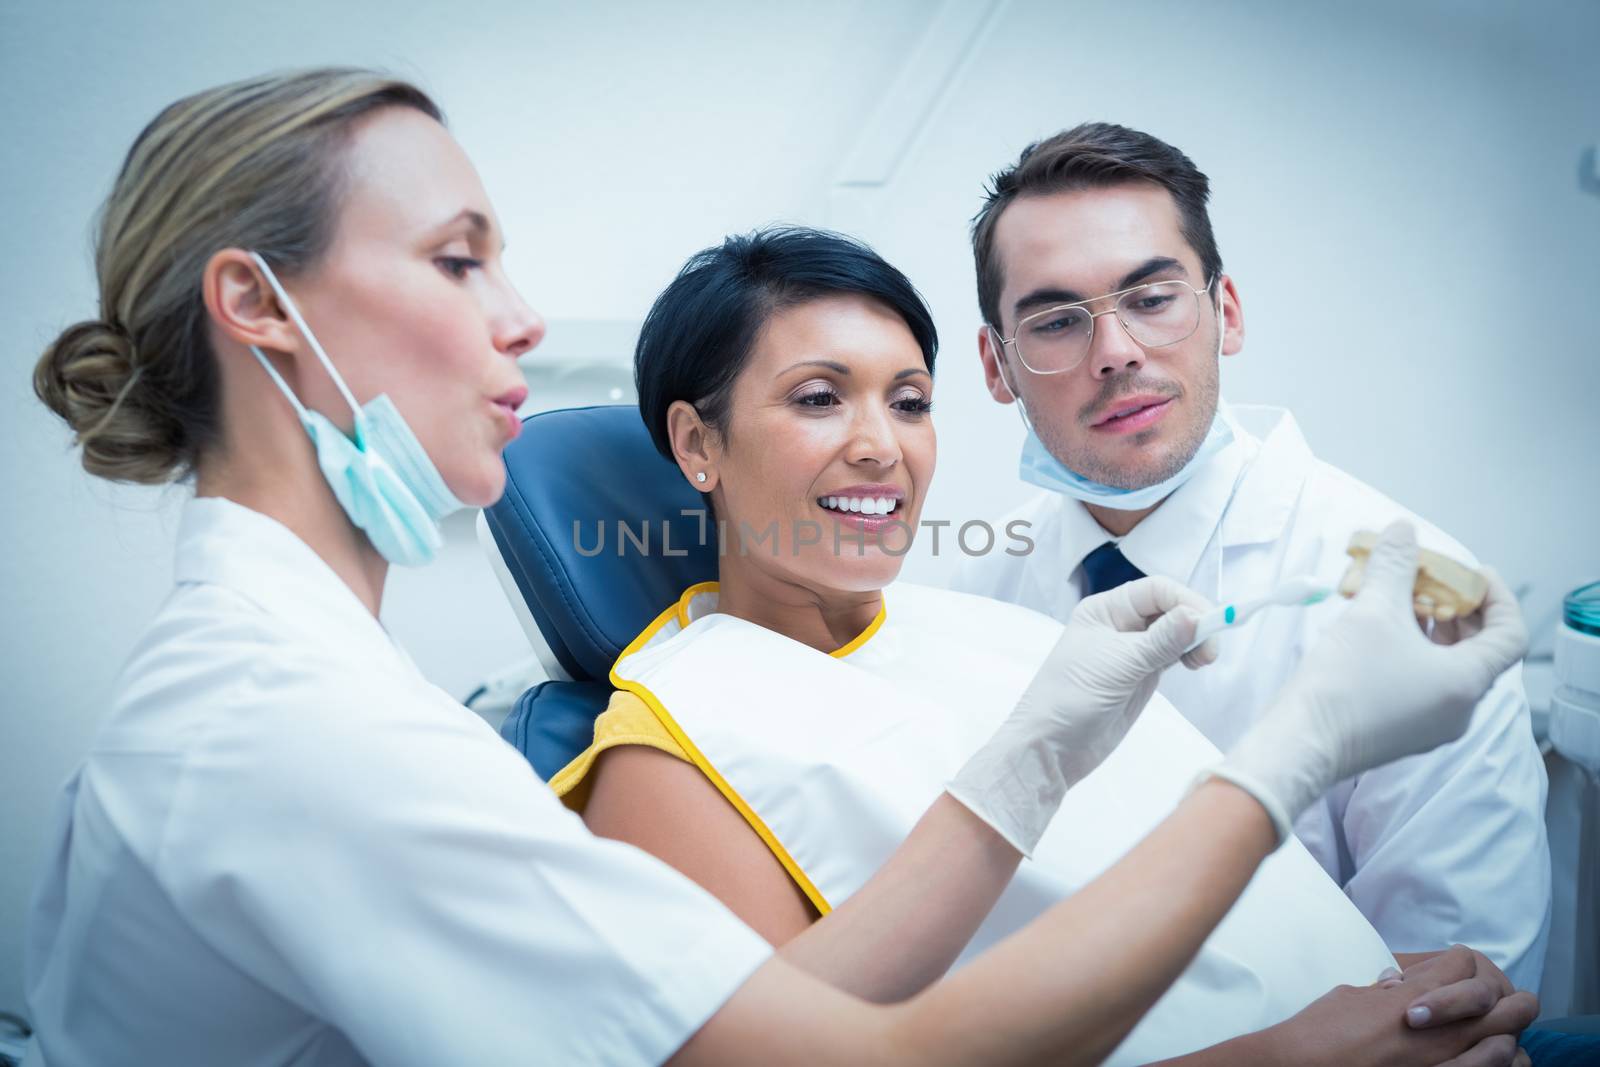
<point x="1270" y="489"/>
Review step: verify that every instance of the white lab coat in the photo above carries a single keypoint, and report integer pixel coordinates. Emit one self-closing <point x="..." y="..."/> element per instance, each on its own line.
<point x="1442" y="848"/>
<point x="287" y="847"/>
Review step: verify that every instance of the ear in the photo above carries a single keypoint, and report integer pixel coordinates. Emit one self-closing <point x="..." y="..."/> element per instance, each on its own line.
<point x="992" y="355"/>
<point x="696" y="447"/>
<point x="1232" y="317"/>
<point x="242" y="305"/>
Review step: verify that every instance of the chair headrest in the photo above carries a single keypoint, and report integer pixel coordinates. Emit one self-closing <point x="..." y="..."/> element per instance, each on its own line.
<point x="585" y="488"/>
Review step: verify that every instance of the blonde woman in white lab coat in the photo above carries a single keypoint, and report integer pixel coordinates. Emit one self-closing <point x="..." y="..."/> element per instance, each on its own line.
<point x="287" y="847"/>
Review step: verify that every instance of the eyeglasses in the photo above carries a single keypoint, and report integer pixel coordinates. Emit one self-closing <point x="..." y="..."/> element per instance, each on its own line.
<point x="1155" y="315"/>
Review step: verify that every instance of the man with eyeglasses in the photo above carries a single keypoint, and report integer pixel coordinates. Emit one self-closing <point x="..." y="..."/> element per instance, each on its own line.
<point x="1106" y="314"/>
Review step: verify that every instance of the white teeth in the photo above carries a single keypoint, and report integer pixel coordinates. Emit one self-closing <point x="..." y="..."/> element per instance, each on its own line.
<point x="860" y="505"/>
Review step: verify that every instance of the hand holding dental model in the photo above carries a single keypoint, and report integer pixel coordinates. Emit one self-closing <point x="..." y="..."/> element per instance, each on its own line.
<point x="1374" y="688"/>
<point x="1443" y="592"/>
<point x="1081" y="703"/>
<point x="1444" y="589"/>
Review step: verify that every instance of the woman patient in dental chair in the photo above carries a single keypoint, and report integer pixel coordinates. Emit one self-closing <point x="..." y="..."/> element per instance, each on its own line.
<point x="775" y="734"/>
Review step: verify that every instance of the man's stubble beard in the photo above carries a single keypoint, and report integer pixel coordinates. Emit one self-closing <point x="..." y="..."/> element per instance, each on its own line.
<point x="1202" y="401"/>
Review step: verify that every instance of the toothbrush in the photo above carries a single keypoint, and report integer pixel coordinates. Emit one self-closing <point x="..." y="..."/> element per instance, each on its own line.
<point x="1296" y="592"/>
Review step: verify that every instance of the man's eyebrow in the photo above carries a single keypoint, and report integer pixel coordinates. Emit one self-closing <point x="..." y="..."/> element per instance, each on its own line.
<point x="1044" y="297"/>
<point x="1153" y="265"/>
<point x="1050" y="296"/>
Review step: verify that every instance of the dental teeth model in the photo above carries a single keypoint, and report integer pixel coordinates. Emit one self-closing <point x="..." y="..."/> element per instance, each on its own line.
<point x="1444" y="590"/>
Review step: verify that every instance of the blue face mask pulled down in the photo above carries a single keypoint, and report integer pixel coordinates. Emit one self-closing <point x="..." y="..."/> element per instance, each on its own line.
<point x="1039" y="467"/>
<point x="382" y="477"/>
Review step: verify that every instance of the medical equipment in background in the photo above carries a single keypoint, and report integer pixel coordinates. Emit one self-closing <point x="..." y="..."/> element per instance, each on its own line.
<point x="1571" y="982"/>
<point x="1571" y="742"/>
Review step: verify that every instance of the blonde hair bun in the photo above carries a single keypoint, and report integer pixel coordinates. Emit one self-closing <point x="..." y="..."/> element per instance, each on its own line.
<point x="90" y="378"/>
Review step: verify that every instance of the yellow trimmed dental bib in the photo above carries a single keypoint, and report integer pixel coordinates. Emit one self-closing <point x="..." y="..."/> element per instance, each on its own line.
<point x="833" y="758"/>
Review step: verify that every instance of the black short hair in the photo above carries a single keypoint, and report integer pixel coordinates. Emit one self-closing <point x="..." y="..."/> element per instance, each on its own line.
<point x="699" y="333"/>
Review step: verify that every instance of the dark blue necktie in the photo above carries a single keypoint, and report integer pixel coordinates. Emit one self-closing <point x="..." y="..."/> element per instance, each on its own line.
<point x="1106" y="568"/>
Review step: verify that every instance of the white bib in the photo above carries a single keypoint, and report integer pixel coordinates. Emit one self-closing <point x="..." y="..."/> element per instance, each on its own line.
<point x="833" y="758"/>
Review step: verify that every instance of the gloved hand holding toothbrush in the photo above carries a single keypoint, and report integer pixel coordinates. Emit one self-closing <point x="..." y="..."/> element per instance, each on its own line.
<point x="1374" y="688"/>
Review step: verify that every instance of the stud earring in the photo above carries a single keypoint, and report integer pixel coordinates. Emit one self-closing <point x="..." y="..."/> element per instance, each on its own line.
<point x="700" y="477"/>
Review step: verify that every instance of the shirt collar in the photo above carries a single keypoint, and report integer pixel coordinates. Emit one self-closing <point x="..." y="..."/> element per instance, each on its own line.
<point x="226" y="544"/>
<point x="1249" y="488"/>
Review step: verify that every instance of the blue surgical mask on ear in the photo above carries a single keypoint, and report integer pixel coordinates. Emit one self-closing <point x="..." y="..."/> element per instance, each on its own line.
<point x="1039" y="467"/>
<point x="382" y="477"/>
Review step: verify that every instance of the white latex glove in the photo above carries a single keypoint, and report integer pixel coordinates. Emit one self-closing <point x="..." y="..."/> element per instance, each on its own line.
<point x="1088" y="692"/>
<point x="1373" y="688"/>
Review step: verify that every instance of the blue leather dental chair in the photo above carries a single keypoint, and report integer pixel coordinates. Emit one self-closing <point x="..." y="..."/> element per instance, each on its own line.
<point x="585" y="489"/>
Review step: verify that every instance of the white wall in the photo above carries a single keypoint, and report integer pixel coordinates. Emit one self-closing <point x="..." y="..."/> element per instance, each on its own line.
<point x="1396" y="195"/>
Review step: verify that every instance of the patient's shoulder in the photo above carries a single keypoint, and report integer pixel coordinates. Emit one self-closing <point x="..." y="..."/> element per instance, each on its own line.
<point x="627" y="721"/>
<point x="672" y="810"/>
